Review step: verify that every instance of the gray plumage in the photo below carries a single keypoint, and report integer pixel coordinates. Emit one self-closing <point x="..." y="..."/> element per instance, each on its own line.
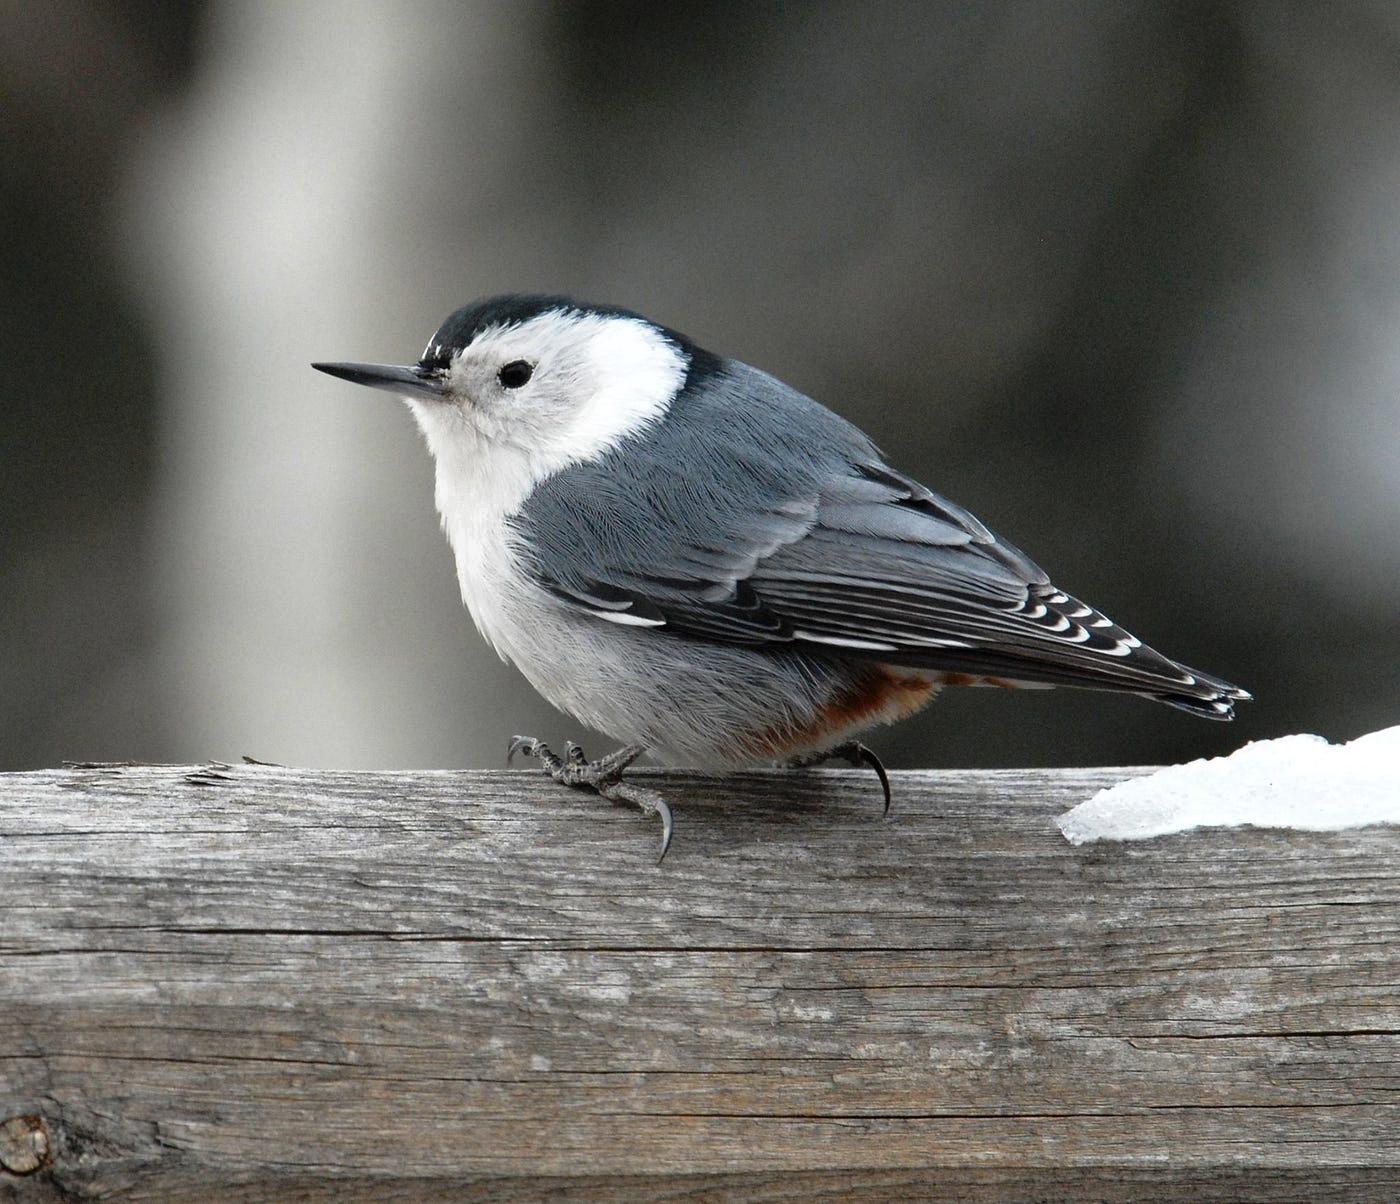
<point x="754" y="516"/>
<point x="685" y="553"/>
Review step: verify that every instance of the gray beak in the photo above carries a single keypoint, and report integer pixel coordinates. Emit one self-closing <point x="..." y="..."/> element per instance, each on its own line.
<point x="407" y="382"/>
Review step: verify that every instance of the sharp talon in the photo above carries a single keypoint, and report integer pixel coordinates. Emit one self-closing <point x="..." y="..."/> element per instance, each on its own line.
<point x="857" y="754"/>
<point x="865" y="757"/>
<point x="604" y="776"/>
<point x="644" y="800"/>
<point x="668" y="827"/>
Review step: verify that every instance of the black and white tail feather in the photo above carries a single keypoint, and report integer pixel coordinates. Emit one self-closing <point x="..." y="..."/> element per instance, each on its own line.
<point x="823" y="549"/>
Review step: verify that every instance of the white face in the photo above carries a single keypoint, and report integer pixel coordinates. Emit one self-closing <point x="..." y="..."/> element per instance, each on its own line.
<point x="559" y="388"/>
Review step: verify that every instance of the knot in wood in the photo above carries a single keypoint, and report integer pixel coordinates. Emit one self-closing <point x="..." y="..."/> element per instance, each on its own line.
<point x="24" y="1144"/>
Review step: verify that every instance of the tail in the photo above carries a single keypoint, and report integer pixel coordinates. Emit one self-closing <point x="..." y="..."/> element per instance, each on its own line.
<point x="1062" y="641"/>
<point x="1216" y="701"/>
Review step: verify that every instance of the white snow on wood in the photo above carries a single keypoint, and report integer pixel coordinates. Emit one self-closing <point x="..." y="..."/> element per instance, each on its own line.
<point x="1292" y="782"/>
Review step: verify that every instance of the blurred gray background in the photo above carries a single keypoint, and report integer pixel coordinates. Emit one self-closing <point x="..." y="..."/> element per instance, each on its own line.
<point x="1124" y="278"/>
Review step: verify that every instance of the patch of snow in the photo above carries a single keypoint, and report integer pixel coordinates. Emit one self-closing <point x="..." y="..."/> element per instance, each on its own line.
<point x="1292" y="782"/>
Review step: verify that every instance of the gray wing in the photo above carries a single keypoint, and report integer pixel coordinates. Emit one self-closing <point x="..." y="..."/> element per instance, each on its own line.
<point x="755" y="516"/>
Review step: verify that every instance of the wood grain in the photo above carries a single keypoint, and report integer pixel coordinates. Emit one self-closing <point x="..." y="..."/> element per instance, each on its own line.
<point x="247" y="983"/>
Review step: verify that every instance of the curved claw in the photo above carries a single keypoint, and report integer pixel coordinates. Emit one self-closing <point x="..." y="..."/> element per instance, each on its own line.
<point x="668" y="827"/>
<point x="863" y="756"/>
<point x="603" y="776"/>
<point x="644" y="800"/>
<point x="853" y="752"/>
<point x="524" y="744"/>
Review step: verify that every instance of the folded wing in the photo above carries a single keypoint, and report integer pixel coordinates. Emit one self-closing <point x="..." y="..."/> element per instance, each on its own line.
<point x="820" y="547"/>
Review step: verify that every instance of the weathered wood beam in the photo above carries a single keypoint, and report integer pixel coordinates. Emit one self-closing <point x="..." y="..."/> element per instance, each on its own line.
<point x="251" y="982"/>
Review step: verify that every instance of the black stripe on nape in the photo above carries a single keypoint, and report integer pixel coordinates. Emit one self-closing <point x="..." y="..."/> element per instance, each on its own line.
<point x="511" y="309"/>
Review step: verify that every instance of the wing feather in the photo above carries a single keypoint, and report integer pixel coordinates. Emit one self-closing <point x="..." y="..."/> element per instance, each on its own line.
<point x="819" y="545"/>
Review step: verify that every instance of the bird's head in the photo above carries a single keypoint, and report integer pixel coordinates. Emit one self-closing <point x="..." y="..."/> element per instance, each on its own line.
<point x="545" y="377"/>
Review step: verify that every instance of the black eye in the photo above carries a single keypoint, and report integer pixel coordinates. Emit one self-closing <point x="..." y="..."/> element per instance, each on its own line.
<point x="516" y="373"/>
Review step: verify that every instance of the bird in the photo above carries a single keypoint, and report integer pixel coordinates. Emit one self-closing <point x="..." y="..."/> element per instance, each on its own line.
<point x="683" y="552"/>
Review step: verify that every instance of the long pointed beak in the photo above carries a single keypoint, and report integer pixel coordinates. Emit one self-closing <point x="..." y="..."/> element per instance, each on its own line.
<point x="408" y="382"/>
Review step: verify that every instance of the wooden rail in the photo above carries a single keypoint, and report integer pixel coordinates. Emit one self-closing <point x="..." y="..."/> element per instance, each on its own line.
<point x="256" y="983"/>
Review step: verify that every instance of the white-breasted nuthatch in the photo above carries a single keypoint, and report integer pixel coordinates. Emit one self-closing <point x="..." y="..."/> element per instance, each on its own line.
<point x="685" y="553"/>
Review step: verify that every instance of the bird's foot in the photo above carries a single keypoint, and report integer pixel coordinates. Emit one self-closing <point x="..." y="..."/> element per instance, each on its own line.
<point x="852" y="751"/>
<point x="603" y="776"/>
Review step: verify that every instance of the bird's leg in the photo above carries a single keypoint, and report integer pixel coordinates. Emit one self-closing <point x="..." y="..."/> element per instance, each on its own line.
<point x="604" y="776"/>
<point x="852" y="751"/>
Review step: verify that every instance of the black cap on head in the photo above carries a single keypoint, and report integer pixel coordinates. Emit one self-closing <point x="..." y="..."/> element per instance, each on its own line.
<point x="430" y="374"/>
<point x="511" y="309"/>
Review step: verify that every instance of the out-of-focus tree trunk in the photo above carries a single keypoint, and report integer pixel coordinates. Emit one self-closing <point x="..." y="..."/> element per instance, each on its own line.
<point x="301" y="570"/>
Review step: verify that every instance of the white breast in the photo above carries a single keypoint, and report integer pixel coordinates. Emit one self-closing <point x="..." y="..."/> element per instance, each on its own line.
<point x="599" y="380"/>
<point x="476" y="493"/>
